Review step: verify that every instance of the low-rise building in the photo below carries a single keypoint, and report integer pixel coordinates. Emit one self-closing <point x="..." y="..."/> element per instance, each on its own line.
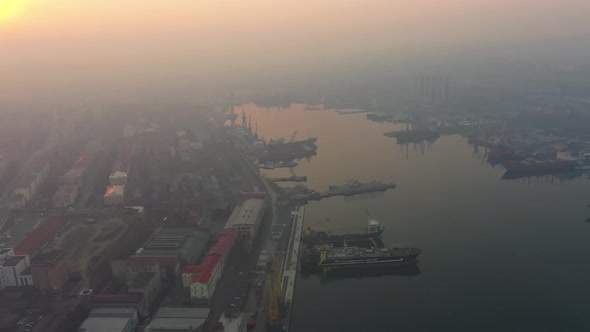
<point x="114" y="195"/>
<point x="16" y="201"/>
<point x="246" y="218"/>
<point x="65" y="196"/>
<point x="124" y="300"/>
<point x="169" y="265"/>
<point x="179" y="320"/>
<point x="110" y="319"/>
<point x="148" y="284"/>
<point x="118" y="178"/>
<point x="74" y="176"/>
<point x="202" y="279"/>
<point x="11" y="267"/>
<point x="50" y="270"/>
<point x="205" y="281"/>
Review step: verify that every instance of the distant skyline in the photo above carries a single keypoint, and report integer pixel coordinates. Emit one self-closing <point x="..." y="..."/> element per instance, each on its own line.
<point x="124" y="49"/>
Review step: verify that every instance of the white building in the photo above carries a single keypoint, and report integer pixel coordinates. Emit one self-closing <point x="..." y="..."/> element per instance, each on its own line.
<point x="204" y="283"/>
<point x="110" y="319"/>
<point x="11" y="267"/>
<point x="246" y="217"/>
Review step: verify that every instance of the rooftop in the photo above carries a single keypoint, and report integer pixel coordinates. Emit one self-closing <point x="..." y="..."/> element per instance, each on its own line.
<point x="182" y="324"/>
<point x="104" y="324"/>
<point x="164" y="260"/>
<point x="250" y="212"/>
<point x="112" y="312"/>
<point x="13" y="261"/>
<point x="119" y="174"/>
<point x="182" y="312"/>
<point x="142" y="279"/>
<point x="38" y="237"/>
<point x="116" y="298"/>
<point x="74" y="172"/>
<point x="67" y="188"/>
<point x="51" y="256"/>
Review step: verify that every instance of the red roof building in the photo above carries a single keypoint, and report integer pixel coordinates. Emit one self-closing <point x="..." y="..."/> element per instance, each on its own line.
<point x="38" y="237"/>
<point x="203" y="278"/>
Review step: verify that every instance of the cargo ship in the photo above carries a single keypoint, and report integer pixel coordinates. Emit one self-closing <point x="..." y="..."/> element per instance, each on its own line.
<point x="374" y="231"/>
<point x="411" y="136"/>
<point x="329" y="257"/>
<point x="355" y="187"/>
<point x="281" y="151"/>
<point x="533" y="165"/>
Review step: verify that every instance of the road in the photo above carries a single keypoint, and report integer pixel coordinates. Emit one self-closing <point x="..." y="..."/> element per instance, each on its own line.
<point x="239" y="267"/>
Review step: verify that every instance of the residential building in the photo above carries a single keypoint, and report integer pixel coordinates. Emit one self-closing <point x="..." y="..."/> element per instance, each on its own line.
<point x="74" y="176"/>
<point x="110" y="319"/>
<point x="65" y="196"/>
<point x="50" y="270"/>
<point x="114" y="195"/>
<point x="16" y="201"/>
<point x="118" y="179"/>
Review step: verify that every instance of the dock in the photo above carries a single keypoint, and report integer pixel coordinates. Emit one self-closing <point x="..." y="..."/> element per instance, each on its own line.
<point x="353" y="188"/>
<point x="290" y="179"/>
<point x="290" y="263"/>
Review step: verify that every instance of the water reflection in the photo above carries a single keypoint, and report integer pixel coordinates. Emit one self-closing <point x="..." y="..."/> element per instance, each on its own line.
<point x="547" y="177"/>
<point x="334" y="275"/>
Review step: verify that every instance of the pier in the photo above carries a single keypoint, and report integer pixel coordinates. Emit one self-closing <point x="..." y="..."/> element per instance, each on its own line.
<point x="350" y="189"/>
<point x="290" y="263"/>
<point x="290" y="179"/>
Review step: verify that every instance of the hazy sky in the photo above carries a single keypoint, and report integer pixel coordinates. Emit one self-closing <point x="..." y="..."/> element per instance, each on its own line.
<point x="114" y="48"/>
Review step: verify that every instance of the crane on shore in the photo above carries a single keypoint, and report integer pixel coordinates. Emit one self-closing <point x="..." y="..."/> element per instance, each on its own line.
<point x="293" y="137"/>
<point x="274" y="316"/>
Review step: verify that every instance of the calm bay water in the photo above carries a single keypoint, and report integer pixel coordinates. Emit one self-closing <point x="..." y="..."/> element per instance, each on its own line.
<point x="498" y="255"/>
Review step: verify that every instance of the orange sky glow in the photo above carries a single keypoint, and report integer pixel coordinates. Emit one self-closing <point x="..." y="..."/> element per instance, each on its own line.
<point x="60" y="43"/>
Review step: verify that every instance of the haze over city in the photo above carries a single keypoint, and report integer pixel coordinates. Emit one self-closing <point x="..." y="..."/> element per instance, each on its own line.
<point x="95" y="50"/>
<point x="294" y="166"/>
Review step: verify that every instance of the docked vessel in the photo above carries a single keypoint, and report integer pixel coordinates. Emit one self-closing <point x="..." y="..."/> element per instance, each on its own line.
<point x="410" y="136"/>
<point x="373" y="231"/>
<point x="356" y="187"/>
<point x="279" y="150"/>
<point x="533" y="165"/>
<point x="354" y="257"/>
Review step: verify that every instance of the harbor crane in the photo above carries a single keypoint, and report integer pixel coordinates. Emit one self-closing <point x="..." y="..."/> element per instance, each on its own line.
<point x="274" y="317"/>
<point x="293" y="137"/>
<point x="244" y="118"/>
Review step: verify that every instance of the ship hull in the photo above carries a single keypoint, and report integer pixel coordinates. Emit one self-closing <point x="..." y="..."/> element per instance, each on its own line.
<point x="322" y="238"/>
<point x="540" y="167"/>
<point x="405" y="261"/>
